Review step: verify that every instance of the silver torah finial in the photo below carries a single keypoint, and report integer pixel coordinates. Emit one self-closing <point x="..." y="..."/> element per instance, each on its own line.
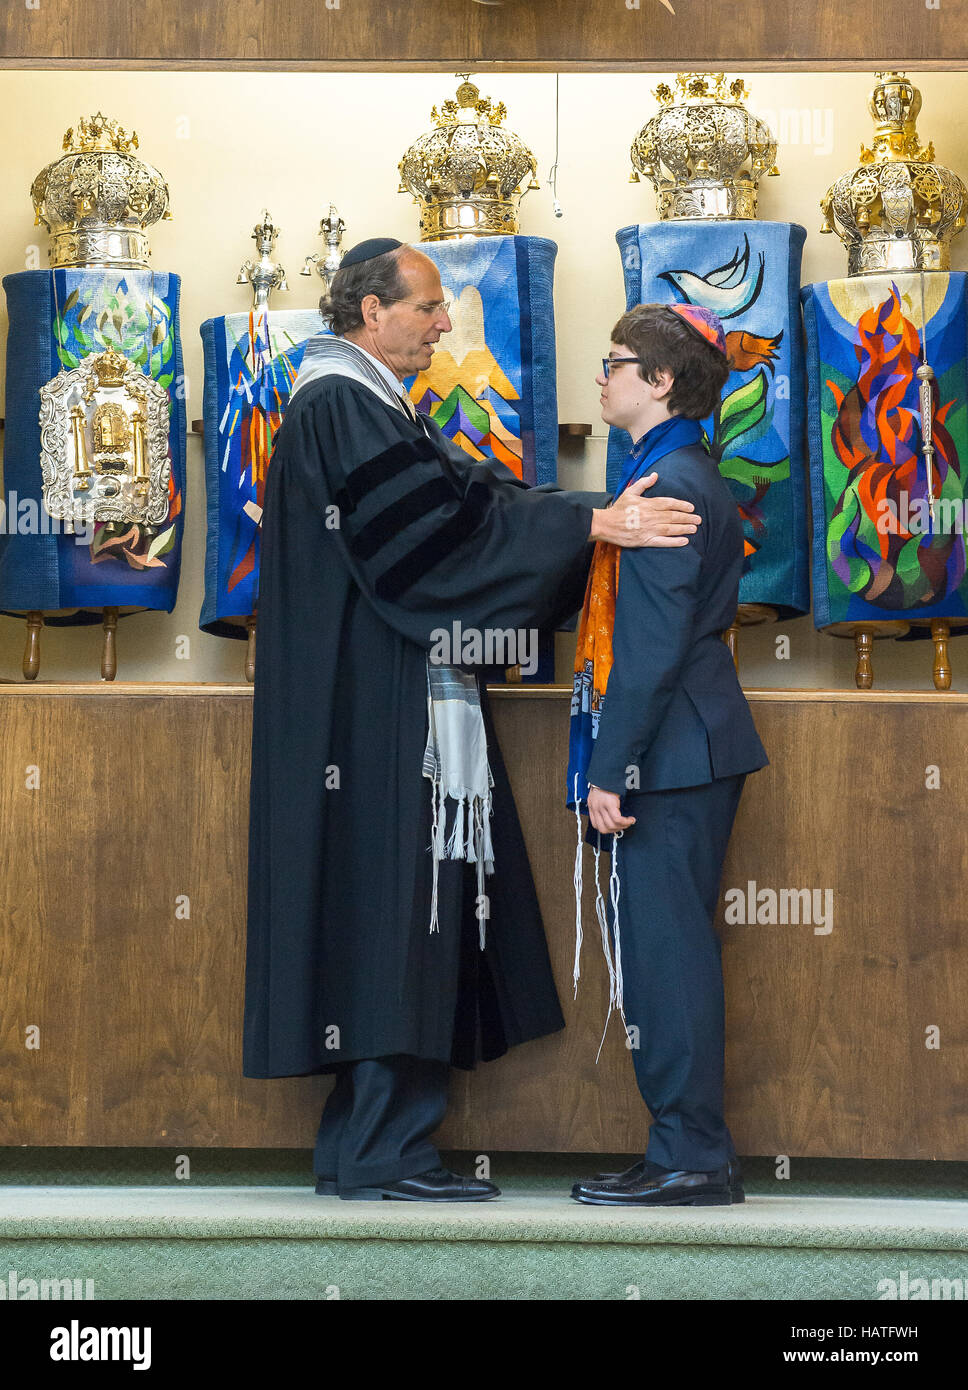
<point x="266" y="275"/>
<point x="331" y="229"/>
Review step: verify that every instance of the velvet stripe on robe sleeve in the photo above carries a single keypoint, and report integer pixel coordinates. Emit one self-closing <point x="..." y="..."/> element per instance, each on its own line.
<point x="431" y="536"/>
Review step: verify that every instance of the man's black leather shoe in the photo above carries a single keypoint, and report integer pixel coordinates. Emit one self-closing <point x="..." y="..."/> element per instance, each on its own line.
<point x="644" y="1167"/>
<point x="436" y="1185"/>
<point x="326" y="1187"/>
<point x="676" y="1188"/>
<point x="636" y="1171"/>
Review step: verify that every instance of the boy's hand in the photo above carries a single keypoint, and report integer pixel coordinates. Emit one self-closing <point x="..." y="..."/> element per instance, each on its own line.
<point x="605" y="811"/>
<point x="633" y="520"/>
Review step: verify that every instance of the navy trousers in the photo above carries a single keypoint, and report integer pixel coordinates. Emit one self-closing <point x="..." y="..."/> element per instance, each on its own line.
<point x="669" y="868"/>
<point x="375" y="1124"/>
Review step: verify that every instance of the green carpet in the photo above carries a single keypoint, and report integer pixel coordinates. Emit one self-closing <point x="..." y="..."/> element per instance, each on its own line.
<point x="834" y="1177"/>
<point x="248" y="1225"/>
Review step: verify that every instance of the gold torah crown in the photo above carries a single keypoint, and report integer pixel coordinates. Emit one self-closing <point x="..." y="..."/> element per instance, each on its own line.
<point x="97" y="199"/>
<point x="110" y="368"/>
<point x="898" y="209"/>
<point x="703" y="151"/>
<point x="467" y="171"/>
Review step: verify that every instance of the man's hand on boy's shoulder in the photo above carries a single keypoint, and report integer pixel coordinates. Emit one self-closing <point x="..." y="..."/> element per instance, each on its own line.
<point x="694" y="546"/>
<point x="634" y="520"/>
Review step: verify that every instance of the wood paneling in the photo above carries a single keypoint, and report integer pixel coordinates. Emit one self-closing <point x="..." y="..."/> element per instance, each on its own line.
<point x="449" y="33"/>
<point x="143" y="795"/>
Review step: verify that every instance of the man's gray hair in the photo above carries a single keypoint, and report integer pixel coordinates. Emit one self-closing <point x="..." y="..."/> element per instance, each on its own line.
<point x="380" y="276"/>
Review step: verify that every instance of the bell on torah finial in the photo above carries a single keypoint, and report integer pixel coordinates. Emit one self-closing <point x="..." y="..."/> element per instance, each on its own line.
<point x="703" y="152"/>
<point x="467" y="172"/>
<point x="266" y="274"/>
<point x="97" y="199"/>
<point x="897" y="209"/>
<point x="331" y="229"/>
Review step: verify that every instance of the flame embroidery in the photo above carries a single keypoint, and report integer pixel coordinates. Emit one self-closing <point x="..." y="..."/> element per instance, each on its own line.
<point x="876" y="436"/>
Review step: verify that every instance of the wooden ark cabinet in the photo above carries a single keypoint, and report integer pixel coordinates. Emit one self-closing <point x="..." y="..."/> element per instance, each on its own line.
<point x="142" y="800"/>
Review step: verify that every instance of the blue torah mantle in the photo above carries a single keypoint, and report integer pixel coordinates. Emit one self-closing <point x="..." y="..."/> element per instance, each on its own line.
<point x="251" y="363"/>
<point x="747" y="272"/>
<point x="57" y="318"/>
<point x="492" y="384"/>
<point x="878" y="553"/>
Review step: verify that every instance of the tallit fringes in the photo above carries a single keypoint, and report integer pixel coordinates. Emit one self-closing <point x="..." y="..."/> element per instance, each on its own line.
<point x="487" y="846"/>
<point x="456" y="847"/>
<point x="455" y="761"/>
<point x="482" y="902"/>
<point x="603" y="926"/>
<point x="616" y="994"/>
<point x="576" y="972"/>
<point x="484" y="851"/>
<point x="438" y="834"/>
<point x="433" y="851"/>
<point x="614" y="888"/>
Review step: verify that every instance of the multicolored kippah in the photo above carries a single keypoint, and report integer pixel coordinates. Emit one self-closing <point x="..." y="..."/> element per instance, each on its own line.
<point x="702" y="321"/>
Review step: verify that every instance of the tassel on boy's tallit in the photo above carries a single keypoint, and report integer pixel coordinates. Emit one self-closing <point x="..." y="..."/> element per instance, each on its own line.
<point x="613" y="961"/>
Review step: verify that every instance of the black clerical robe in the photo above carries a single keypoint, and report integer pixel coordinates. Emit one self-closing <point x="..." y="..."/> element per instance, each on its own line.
<point x="376" y="532"/>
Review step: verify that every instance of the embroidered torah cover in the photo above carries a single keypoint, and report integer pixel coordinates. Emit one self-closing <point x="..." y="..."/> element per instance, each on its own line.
<point x="747" y="272"/>
<point x="492" y="386"/>
<point x="57" y="318"/>
<point x="876" y="553"/>
<point x="251" y="362"/>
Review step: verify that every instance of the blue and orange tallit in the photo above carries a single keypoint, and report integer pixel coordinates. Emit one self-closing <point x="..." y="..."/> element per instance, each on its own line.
<point x="593" y="656"/>
<point x="593" y="664"/>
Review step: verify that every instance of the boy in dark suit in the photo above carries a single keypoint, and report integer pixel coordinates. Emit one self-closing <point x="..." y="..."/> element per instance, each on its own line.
<point x="661" y="743"/>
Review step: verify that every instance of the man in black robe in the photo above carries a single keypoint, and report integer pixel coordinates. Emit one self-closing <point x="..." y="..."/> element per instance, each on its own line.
<point x="378" y="533"/>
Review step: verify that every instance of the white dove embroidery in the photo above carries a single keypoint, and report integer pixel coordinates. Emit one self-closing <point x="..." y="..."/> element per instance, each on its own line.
<point x="729" y="290"/>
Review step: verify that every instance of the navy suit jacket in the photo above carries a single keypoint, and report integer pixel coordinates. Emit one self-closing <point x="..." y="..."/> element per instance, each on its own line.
<point x="673" y="707"/>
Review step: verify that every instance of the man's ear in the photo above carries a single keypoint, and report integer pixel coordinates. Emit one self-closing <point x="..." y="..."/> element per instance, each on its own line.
<point x="369" y="304"/>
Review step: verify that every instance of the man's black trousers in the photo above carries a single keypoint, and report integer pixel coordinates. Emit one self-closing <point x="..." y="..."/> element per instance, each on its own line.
<point x="377" y="1119"/>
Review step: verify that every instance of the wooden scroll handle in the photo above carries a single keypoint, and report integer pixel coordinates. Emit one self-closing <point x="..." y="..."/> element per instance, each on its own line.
<point x="250" y="648"/>
<point x="863" y="646"/>
<point x="747" y="615"/>
<point x="940" y="632"/>
<point x="35" y="621"/>
<point x="109" y="648"/>
<point x="731" y="636"/>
